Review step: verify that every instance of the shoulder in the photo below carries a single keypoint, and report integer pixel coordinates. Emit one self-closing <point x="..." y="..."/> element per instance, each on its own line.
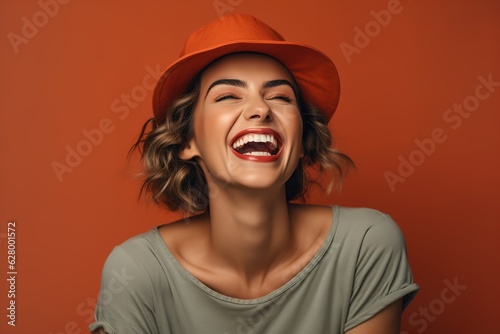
<point x="311" y="222"/>
<point x="354" y="222"/>
<point x="355" y="226"/>
<point x="362" y="217"/>
<point x="359" y="216"/>
<point x="368" y="224"/>
<point x="132" y="263"/>
<point x="130" y="281"/>
<point x="189" y="234"/>
<point x="135" y="249"/>
<point x="372" y="240"/>
<point x="310" y="214"/>
<point x="376" y="251"/>
<point x="359" y="234"/>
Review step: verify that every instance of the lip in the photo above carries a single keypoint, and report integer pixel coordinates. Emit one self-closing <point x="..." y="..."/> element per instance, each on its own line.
<point x="268" y="131"/>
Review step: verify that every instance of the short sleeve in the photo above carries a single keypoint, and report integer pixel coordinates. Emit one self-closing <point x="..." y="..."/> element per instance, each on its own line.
<point x="382" y="273"/>
<point x="125" y="303"/>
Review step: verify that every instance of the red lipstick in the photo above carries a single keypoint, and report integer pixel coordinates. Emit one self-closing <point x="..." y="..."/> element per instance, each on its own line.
<point x="257" y="144"/>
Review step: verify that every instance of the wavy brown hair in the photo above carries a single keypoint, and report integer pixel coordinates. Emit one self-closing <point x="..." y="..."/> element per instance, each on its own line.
<point x="181" y="185"/>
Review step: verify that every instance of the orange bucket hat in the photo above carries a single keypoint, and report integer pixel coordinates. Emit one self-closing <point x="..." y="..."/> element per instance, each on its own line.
<point x="315" y="73"/>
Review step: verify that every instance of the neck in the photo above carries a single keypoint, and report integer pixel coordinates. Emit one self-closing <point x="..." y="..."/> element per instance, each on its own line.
<point x="253" y="237"/>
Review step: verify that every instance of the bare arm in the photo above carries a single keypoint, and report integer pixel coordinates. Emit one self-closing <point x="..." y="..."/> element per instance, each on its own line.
<point x="387" y="321"/>
<point x="99" y="331"/>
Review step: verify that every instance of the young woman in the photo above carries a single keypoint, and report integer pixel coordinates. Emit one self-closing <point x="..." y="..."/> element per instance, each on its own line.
<point x="238" y="118"/>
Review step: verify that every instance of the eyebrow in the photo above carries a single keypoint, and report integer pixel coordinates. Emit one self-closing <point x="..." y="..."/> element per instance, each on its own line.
<point x="279" y="82"/>
<point x="241" y="83"/>
<point x="230" y="82"/>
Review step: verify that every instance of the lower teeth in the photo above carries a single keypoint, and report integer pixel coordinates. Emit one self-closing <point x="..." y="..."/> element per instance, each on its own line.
<point x="258" y="153"/>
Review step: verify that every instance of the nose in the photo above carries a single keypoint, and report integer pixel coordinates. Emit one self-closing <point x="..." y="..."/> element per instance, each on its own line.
<point x="258" y="109"/>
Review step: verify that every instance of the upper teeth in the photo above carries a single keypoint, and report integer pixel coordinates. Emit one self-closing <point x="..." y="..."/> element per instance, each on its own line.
<point x="256" y="138"/>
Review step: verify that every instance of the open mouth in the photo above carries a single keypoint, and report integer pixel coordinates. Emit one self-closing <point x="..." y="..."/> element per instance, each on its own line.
<point x="257" y="143"/>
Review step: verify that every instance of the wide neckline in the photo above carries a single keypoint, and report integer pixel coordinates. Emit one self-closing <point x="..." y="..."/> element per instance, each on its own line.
<point x="300" y="276"/>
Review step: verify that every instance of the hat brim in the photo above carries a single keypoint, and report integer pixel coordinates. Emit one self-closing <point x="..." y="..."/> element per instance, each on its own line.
<point x="314" y="72"/>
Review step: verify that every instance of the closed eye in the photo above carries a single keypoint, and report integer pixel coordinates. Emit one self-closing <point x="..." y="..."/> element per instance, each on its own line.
<point x="283" y="97"/>
<point x="225" y="97"/>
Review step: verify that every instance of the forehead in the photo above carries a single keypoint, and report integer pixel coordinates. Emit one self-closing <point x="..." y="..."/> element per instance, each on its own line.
<point x="237" y="65"/>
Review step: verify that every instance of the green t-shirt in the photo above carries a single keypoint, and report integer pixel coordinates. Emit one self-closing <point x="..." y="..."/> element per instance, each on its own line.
<point x="360" y="269"/>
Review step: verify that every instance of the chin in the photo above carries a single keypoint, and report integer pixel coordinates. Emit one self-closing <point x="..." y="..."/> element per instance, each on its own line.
<point x="262" y="182"/>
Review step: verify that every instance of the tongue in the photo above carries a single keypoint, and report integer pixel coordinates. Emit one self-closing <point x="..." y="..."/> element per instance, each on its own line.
<point x="254" y="147"/>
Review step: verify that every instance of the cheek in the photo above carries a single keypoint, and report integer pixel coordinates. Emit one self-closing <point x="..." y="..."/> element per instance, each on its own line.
<point x="297" y="125"/>
<point x="202" y="124"/>
<point x="214" y="123"/>
<point x="293" y="122"/>
<point x="292" y="116"/>
<point x="211" y="130"/>
<point x="198" y="128"/>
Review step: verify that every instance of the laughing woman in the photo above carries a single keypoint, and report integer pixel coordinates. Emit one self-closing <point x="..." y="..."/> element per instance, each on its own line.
<point x="237" y="120"/>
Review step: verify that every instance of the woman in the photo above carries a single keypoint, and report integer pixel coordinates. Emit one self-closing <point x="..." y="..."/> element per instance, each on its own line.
<point x="238" y="118"/>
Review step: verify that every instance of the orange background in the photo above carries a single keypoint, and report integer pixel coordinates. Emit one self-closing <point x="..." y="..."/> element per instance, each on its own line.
<point x="65" y="78"/>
